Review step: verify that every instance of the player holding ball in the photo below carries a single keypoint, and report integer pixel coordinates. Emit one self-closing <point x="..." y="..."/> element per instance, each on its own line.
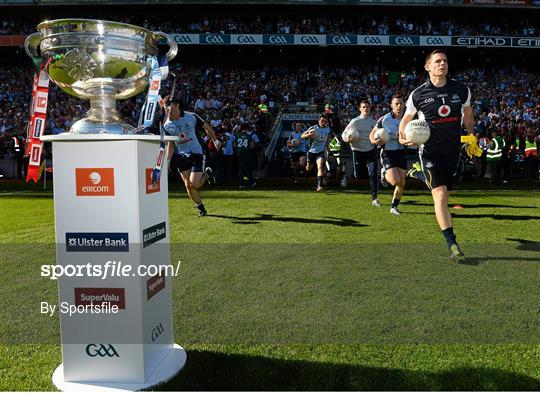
<point x="445" y="105"/>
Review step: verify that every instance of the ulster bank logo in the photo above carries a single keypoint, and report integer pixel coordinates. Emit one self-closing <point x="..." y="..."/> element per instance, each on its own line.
<point x="154" y="234"/>
<point x="97" y="241"/>
<point x="94" y="181"/>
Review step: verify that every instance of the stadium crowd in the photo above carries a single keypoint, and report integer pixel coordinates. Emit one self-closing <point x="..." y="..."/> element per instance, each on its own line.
<point x="506" y="100"/>
<point x="358" y="24"/>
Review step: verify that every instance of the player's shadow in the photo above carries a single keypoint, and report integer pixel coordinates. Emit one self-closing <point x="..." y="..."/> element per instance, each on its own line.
<point x="475" y="261"/>
<point x="509" y="217"/>
<point x="470" y="206"/>
<point x="337" y="221"/>
<point x="526" y="245"/>
<point x="210" y="370"/>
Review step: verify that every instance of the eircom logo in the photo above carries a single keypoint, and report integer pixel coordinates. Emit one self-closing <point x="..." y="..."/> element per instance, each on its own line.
<point x="94" y="181"/>
<point x="151" y="188"/>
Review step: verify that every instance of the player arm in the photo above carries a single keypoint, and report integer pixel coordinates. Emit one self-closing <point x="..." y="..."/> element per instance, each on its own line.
<point x="372" y="134"/>
<point x="210" y="132"/>
<point x="410" y="112"/>
<point x="347" y="132"/>
<point x="406" y="119"/>
<point x="468" y="119"/>
<point x="170" y="151"/>
<point x="307" y="134"/>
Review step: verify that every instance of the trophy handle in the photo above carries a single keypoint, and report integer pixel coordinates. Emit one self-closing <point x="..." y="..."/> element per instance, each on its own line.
<point x="31" y="46"/>
<point x="173" y="46"/>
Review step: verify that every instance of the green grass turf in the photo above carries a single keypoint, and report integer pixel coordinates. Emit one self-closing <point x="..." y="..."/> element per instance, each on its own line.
<point x="297" y="290"/>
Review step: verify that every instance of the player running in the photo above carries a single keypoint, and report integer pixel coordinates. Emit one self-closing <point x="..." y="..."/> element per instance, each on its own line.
<point x="319" y="135"/>
<point x="363" y="150"/>
<point x="297" y="151"/>
<point x="186" y="155"/>
<point x="444" y="103"/>
<point x="393" y="158"/>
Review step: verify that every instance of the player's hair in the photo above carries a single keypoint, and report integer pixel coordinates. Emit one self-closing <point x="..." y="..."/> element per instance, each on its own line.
<point x="364" y="102"/>
<point x="178" y="100"/>
<point x="434" y="52"/>
<point x="396" y="95"/>
<point x="323" y="116"/>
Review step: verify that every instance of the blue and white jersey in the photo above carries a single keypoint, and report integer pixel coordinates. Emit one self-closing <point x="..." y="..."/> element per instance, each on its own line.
<point x="391" y="124"/>
<point x="302" y="146"/>
<point x="318" y="144"/>
<point x="228" y="147"/>
<point x="186" y="128"/>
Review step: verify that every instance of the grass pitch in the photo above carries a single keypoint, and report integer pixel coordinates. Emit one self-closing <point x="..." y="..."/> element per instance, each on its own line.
<point x="297" y="290"/>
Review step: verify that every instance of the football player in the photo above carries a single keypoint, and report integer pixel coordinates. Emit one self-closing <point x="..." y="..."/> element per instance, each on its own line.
<point x="297" y="151"/>
<point x="186" y="154"/>
<point x="444" y="104"/>
<point x="393" y="158"/>
<point x="319" y="135"/>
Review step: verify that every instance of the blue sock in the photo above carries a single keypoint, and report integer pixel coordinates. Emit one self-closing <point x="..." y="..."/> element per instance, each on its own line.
<point x="449" y="235"/>
<point x="395" y="202"/>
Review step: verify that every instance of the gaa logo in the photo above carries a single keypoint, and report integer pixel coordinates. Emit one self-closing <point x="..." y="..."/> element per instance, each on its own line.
<point x="435" y="41"/>
<point x="401" y="40"/>
<point x="444" y="110"/>
<point x="157" y="331"/>
<point x="309" y="39"/>
<point x="277" y="39"/>
<point x="246" y="39"/>
<point x="182" y="39"/>
<point x="372" y="40"/>
<point x="343" y="40"/>
<point x="101" y="350"/>
<point x="94" y="181"/>
<point x="213" y="39"/>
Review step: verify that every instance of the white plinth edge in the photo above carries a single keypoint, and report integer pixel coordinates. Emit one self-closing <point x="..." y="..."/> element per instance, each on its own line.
<point x="68" y="137"/>
<point x="167" y="369"/>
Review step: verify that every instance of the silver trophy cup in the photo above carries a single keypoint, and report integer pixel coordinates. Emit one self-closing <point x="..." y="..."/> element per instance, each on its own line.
<point x="97" y="60"/>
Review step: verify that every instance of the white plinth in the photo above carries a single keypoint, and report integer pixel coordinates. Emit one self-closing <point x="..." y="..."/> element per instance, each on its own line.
<point x="107" y="211"/>
<point x="169" y="367"/>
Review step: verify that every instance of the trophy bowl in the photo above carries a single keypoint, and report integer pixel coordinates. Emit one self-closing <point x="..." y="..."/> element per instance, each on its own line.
<point x="97" y="60"/>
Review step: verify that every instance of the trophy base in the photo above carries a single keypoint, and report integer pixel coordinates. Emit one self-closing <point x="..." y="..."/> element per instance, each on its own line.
<point x="86" y="126"/>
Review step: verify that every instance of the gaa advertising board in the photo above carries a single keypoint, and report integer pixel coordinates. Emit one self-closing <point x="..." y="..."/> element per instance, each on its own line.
<point x="356" y="40"/>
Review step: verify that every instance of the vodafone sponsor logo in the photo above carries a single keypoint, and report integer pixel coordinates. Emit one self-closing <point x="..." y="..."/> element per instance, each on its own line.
<point x="151" y="188"/>
<point x="444" y="110"/>
<point x="444" y="120"/>
<point x="93" y="296"/>
<point x="94" y="181"/>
